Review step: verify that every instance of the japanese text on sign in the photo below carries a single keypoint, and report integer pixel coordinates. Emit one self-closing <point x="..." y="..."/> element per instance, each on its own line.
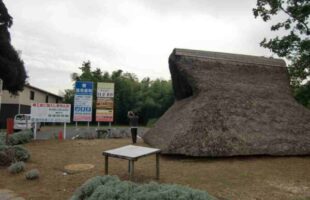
<point x="83" y="101"/>
<point x="50" y="112"/>
<point x="105" y="102"/>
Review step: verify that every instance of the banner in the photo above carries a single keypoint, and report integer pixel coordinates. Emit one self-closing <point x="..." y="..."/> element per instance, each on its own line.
<point x="105" y="102"/>
<point x="50" y="112"/>
<point x="83" y="101"/>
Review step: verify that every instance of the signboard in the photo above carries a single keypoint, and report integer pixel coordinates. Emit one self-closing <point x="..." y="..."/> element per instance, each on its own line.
<point x="50" y="112"/>
<point x="105" y="102"/>
<point x="83" y="101"/>
<point x="105" y="90"/>
<point x="104" y="115"/>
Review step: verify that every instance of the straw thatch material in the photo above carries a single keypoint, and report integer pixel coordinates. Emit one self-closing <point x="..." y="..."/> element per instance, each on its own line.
<point x="228" y="105"/>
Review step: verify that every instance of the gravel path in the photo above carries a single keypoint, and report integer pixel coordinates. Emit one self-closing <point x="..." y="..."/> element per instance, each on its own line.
<point x="6" y="194"/>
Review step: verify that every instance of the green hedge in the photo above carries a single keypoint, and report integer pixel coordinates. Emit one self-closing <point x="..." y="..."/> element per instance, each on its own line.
<point x="17" y="167"/>
<point x="9" y="154"/>
<point x="21" y="137"/>
<point x="2" y="138"/>
<point x="110" y="187"/>
<point x="32" y="174"/>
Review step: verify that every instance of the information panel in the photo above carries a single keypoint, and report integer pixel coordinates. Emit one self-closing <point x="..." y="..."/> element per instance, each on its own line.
<point x="50" y="112"/>
<point x="105" y="102"/>
<point x="83" y="101"/>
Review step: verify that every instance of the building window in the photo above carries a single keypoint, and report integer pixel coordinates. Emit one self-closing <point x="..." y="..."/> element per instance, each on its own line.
<point x="31" y="95"/>
<point x="46" y="99"/>
<point x="56" y="99"/>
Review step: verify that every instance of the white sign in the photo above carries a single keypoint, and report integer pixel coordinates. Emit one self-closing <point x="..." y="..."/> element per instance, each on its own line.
<point x="105" y="90"/>
<point x="105" y="102"/>
<point x="50" y="112"/>
<point x="82" y="108"/>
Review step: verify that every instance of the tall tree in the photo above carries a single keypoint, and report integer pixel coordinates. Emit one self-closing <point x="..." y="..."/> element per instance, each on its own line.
<point x="149" y="98"/>
<point x="12" y="70"/>
<point x="294" y="44"/>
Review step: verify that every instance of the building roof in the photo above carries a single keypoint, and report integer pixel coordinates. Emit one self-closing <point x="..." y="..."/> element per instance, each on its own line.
<point x="44" y="91"/>
<point x="236" y="58"/>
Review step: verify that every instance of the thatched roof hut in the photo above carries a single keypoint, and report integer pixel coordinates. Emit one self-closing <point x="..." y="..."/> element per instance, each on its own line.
<point x="228" y="105"/>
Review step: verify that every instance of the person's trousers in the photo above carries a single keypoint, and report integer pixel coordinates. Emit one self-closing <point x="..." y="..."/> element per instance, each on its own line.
<point x="134" y="132"/>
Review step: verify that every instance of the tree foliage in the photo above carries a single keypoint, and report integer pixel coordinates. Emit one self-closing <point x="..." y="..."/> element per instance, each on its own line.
<point x="294" y="44"/>
<point x="149" y="98"/>
<point x="12" y="70"/>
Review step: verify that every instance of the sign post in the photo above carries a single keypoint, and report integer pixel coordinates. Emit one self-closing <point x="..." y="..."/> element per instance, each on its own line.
<point x="35" y="131"/>
<point x="50" y="112"/>
<point x="83" y="101"/>
<point x="65" y="130"/>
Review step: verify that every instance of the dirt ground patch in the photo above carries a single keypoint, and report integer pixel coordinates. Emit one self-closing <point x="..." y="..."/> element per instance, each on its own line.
<point x="257" y="178"/>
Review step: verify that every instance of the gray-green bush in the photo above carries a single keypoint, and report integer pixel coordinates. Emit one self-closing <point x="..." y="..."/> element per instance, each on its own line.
<point x="9" y="154"/>
<point x="21" y="137"/>
<point x="32" y="174"/>
<point x="21" y="153"/>
<point x="16" y="167"/>
<point x="2" y="138"/>
<point x="110" y="187"/>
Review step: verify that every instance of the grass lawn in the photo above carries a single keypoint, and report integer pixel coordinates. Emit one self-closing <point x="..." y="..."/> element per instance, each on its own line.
<point x="227" y="178"/>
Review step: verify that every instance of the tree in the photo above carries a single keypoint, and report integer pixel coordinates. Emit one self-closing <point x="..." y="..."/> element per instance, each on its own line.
<point x="294" y="44"/>
<point x="12" y="70"/>
<point x="149" y="98"/>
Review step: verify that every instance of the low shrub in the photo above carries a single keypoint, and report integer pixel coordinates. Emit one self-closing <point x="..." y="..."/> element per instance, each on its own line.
<point x="2" y="138"/>
<point x="21" y="137"/>
<point x="5" y="159"/>
<point x="102" y="133"/>
<point x="9" y="154"/>
<point x="110" y="187"/>
<point x="16" y="167"/>
<point x="21" y="153"/>
<point x="32" y="174"/>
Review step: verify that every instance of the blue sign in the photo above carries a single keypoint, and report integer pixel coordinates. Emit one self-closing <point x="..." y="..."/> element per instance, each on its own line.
<point x="84" y="88"/>
<point x="83" y="101"/>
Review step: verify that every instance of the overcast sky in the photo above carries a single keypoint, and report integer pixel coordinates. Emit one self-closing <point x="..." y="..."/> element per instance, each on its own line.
<point x="137" y="36"/>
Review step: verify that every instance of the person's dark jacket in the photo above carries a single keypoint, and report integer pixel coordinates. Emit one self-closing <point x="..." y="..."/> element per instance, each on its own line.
<point x="133" y="121"/>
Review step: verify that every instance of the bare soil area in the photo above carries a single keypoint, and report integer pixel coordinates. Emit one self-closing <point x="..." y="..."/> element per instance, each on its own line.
<point x="243" y="178"/>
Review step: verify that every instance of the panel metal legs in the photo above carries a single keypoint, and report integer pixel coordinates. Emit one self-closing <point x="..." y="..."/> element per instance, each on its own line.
<point x="106" y="164"/>
<point x="131" y="166"/>
<point x="157" y="166"/>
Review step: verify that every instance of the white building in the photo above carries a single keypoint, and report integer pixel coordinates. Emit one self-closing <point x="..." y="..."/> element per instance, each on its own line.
<point x="21" y="103"/>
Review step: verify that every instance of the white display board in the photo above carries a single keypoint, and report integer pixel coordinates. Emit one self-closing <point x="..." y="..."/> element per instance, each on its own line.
<point x="105" y="102"/>
<point x="50" y="112"/>
<point x="105" y="90"/>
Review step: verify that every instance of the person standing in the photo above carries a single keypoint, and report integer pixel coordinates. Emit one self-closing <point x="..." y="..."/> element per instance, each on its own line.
<point x="133" y="122"/>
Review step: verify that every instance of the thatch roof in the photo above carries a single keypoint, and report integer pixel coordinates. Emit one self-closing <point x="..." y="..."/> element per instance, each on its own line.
<point x="229" y="104"/>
